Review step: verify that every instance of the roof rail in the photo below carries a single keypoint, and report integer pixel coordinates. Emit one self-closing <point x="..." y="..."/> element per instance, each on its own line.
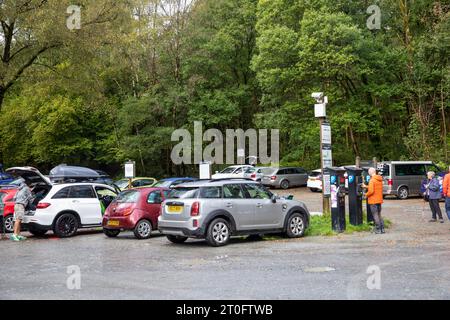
<point x="224" y="179"/>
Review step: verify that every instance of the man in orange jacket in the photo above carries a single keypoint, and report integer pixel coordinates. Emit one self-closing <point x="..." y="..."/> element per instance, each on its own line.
<point x="446" y="191"/>
<point x="375" y="199"/>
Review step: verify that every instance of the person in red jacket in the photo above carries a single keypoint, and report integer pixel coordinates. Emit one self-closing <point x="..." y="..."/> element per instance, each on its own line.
<point x="446" y="191"/>
<point x="374" y="197"/>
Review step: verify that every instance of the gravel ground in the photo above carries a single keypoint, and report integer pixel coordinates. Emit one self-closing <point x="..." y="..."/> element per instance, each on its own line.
<point x="413" y="260"/>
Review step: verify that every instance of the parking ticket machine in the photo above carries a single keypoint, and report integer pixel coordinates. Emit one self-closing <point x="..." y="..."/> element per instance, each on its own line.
<point x="366" y="177"/>
<point x="355" y="194"/>
<point x="337" y="181"/>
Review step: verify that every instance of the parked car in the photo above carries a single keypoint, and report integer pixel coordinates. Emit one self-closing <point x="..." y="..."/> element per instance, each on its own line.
<point x="65" y="207"/>
<point x="134" y="209"/>
<point x="217" y="210"/>
<point x="123" y="184"/>
<point x="285" y="177"/>
<point x="7" y="208"/>
<point x="254" y="173"/>
<point x="404" y="178"/>
<point x="5" y="178"/>
<point x="237" y="171"/>
<point x="172" y="182"/>
<point x="315" y="180"/>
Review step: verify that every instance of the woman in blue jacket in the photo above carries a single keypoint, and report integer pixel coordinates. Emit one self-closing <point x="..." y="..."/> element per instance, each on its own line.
<point x="433" y="191"/>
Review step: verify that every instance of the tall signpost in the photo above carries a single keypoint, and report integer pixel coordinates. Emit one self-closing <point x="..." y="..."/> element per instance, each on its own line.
<point x="326" y="159"/>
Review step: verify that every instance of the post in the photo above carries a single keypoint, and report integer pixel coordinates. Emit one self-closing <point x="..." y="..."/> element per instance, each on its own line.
<point x="325" y="199"/>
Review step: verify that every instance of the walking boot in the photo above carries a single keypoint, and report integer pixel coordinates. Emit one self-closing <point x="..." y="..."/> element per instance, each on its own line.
<point x="382" y="227"/>
<point x="377" y="230"/>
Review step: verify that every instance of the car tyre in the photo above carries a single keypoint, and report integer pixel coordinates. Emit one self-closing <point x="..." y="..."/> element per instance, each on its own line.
<point x="296" y="225"/>
<point x="218" y="233"/>
<point x="66" y="225"/>
<point x="284" y="184"/>
<point x="143" y="229"/>
<point x="111" y="233"/>
<point x="8" y="223"/>
<point x="403" y="193"/>
<point x="37" y="232"/>
<point x="176" y="239"/>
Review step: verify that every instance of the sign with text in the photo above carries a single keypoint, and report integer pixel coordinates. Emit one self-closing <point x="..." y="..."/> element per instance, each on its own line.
<point x="130" y="170"/>
<point x="326" y="133"/>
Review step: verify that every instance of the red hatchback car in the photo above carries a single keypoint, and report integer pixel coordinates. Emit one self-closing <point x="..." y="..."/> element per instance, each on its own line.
<point x="134" y="209"/>
<point x="7" y="209"/>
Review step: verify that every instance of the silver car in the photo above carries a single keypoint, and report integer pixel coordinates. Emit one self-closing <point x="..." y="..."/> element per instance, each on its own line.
<point x="255" y="173"/>
<point x="215" y="210"/>
<point x="284" y="177"/>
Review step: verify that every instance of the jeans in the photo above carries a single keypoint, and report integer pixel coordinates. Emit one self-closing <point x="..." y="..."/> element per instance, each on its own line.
<point x="435" y="208"/>
<point x="376" y="212"/>
<point x="447" y="206"/>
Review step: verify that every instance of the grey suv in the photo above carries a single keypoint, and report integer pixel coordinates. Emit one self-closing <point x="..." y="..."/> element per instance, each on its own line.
<point x="284" y="177"/>
<point x="215" y="210"/>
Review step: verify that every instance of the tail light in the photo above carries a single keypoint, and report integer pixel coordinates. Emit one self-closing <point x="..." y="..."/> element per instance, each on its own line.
<point x="253" y="176"/>
<point x="273" y="178"/>
<point x="195" y="209"/>
<point x="128" y="211"/>
<point x="390" y="182"/>
<point x="42" y="205"/>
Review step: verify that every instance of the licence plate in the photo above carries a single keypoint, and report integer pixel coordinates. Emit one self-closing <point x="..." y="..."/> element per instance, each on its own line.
<point x="113" y="223"/>
<point x="174" y="209"/>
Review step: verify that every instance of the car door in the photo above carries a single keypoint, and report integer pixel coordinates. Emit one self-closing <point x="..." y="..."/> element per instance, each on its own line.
<point x="83" y="200"/>
<point x="302" y="176"/>
<point x="236" y="203"/>
<point x="153" y="204"/>
<point x="267" y="214"/>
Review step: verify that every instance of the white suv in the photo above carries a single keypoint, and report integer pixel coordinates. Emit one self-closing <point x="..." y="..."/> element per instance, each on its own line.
<point x="64" y="207"/>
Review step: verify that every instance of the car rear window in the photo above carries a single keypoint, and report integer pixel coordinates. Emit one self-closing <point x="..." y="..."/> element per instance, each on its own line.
<point x="268" y="171"/>
<point x="129" y="196"/>
<point x="184" y="193"/>
<point x="314" y="174"/>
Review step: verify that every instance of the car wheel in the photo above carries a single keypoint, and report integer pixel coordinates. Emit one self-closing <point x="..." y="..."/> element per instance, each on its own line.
<point x="218" y="233"/>
<point x="37" y="232"/>
<point x="111" y="233"/>
<point x="284" y="184"/>
<point x="8" y="223"/>
<point x="296" y="226"/>
<point x="176" y="239"/>
<point x="143" y="229"/>
<point x="403" y="193"/>
<point x="66" y="225"/>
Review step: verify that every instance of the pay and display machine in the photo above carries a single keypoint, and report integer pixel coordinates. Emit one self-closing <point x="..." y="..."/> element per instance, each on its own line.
<point x="337" y="197"/>
<point x="355" y="195"/>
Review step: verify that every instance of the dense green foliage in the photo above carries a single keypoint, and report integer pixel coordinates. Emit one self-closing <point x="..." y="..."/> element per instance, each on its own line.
<point x="137" y="70"/>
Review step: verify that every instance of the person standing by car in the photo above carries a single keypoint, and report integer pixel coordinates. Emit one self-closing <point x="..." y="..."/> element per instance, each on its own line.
<point x="434" y="194"/>
<point x="446" y="192"/>
<point x="22" y="199"/>
<point x="375" y="198"/>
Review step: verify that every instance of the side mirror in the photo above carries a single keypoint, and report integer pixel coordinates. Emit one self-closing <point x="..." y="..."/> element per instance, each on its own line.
<point x="274" y="199"/>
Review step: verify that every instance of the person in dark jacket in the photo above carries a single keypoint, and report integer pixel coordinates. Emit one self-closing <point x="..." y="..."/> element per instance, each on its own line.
<point x="433" y="193"/>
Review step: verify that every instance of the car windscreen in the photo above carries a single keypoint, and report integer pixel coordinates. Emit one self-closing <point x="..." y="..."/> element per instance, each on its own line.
<point x="122" y="184"/>
<point x="129" y="196"/>
<point x="163" y="184"/>
<point x="184" y="193"/>
<point x="228" y="170"/>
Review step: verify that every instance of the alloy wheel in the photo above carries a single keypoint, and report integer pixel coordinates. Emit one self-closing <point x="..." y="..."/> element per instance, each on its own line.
<point x="220" y="232"/>
<point x="297" y="226"/>
<point x="9" y="223"/>
<point x="144" y="229"/>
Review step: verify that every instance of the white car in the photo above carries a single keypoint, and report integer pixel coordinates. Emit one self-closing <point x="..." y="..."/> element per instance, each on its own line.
<point x="314" y="182"/>
<point x="66" y="207"/>
<point x="232" y="172"/>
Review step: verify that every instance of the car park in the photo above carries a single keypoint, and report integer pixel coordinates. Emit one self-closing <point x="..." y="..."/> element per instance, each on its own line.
<point x="284" y="177"/>
<point x="215" y="210"/>
<point x="134" y="209"/>
<point x="237" y="171"/>
<point x="7" y="208"/>
<point x="124" y="184"/>
<point x="404" y="178"/>
<point x="172" y="182"/>
<point x="254" y="173"/>
<point x="65" y="207"/>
